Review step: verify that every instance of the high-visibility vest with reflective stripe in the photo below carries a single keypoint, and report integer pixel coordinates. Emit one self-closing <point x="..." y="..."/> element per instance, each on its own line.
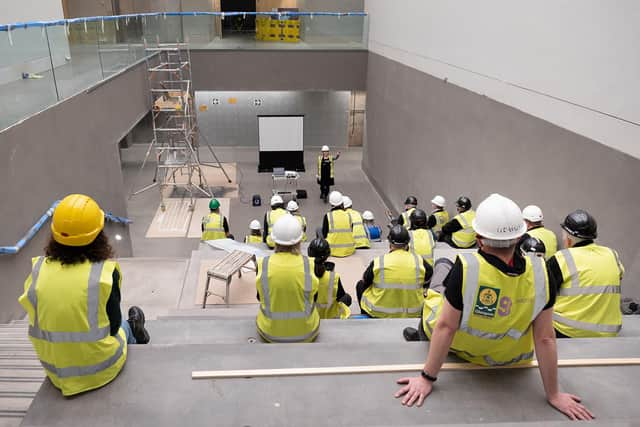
<point x="213" y="227"/>
<point x="422" y="243"/>
<point x="340" y="234"/>
<point x="588" y="302"/>
<point x="272" y="217"/>
<point x="69" y="326"/>
<point x="252" y="239"/>
<point x="303" y="223"/>
<point x="287" y="288"/>
<point x="498" y="311"/>
<point x="331" y="160"/>
<point x="442" y="217"/>
<point x="406" y="217"/>
<point x="397" y="289"/>
<point x="549" y="239"/>
<point x="328" y="306"/>
<point x="466" y="237"/>
<point x="359" y="234"/>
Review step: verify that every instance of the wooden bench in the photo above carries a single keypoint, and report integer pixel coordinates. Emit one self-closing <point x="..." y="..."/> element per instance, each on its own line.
<point x="224" y="269"/>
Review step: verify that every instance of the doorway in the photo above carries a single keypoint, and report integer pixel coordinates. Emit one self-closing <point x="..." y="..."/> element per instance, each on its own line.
<point x="238" y="25"/>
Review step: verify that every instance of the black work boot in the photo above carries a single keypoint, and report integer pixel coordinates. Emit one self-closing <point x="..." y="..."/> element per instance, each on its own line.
<point x="136" y="321"/>
<point x="410" y="334"/>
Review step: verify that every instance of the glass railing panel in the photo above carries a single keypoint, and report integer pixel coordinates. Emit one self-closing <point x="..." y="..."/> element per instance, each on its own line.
<point x="162" y="28"/>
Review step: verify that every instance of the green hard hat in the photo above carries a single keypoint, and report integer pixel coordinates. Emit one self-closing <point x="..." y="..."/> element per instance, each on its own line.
<point x="214" y="204"/>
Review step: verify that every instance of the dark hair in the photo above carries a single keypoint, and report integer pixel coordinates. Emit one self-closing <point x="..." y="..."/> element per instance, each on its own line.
<point x="97" y="251"/>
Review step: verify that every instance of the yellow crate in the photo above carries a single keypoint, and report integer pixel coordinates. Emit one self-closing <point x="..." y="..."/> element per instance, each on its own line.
<point x="272" y="37"/>
<point x="290" y="39"/>
<point x="291" y="32"/>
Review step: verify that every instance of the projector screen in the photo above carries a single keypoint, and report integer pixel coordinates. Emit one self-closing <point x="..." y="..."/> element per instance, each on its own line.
<point x="281" y="133"/>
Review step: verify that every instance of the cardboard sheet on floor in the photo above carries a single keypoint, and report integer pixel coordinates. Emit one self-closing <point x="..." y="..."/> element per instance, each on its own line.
<point x="350" y="270"/>
<point x="216" y="180"/>
<point x="242" y="290"/>
<point x="201" y="210"/>
<point x="173" y="221"/>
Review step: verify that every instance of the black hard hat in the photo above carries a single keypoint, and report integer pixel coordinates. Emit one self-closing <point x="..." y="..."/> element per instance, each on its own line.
<point x="411" y="200"/>
<point x="319" y="248"/>
<point x="531" y="245"/>
<point x="580" y="224"/>
<point x="398" y="235"/>
<point x="463" y="202"/>
<point x="418" y="218"/>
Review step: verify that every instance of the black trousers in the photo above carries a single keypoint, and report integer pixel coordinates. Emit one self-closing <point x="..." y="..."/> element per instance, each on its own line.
<point x="324" y="190"/>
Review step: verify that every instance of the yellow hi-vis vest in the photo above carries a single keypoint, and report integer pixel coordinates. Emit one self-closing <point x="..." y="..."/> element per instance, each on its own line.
<point x="422" y="243"/>
<point x="328" y="306"/>
<point x="213" y="227"/>
<point x="588" y="302"/>
<point x="272" y="217"/>
<point x="69" y="326"/>
<point x="466" y="237"/>
<point x="442" y="217"/>
<point x="303" y="223"/>
<point x="287" y="288"/>
<point x="397" y="289"/>
<point x="359" y="233"/>
<point x="549" y="239"/>
<point x="252" y="239"/>
<point x="340" y="234"/>
<point x="406" y="217"/>
<point x="320" y="166"/>
<point x="498" y="311"/>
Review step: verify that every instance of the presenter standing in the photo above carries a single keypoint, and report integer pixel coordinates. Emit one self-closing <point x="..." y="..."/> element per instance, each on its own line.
<point x="325" y="175"/>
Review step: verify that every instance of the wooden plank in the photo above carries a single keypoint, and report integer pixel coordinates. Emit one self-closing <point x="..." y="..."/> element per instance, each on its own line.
<point x="377" y="369"/>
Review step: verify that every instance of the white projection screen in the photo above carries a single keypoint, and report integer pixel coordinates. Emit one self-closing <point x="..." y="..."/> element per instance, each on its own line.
<point x="281" y="133"/>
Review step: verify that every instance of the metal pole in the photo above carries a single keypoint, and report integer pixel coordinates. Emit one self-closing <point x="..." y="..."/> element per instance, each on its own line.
<point x="53" y="72"/>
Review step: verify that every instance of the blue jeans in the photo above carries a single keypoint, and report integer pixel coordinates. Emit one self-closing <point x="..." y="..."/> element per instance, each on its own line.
<point x="127" y="331"/>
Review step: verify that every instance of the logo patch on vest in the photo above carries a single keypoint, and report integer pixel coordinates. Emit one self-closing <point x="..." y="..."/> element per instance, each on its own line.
<point x="487" y="301"/>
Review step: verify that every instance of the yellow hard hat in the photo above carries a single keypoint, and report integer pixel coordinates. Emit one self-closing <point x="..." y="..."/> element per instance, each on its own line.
<point x="77" y="220"/>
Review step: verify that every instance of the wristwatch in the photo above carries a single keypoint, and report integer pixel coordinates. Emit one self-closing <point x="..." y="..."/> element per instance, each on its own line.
<point x="428" y="377"/>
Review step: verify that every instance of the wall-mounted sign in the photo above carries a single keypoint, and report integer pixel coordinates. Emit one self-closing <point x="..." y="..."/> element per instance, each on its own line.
<point x="215" y="101"/>
<point x="203" y="107"/>
<point x="257" y="102"/>
<point x="233" y="101"/>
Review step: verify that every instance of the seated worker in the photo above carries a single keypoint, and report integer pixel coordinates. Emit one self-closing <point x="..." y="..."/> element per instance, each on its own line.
<point x="215" y="225"/>
<point x="497" y="307"/>
<point x="588" y="277"/>
<point x="255" y="235"/>
<point x="333" y="302"/>
<point x="458" y="233"/>
<point x="337" y="228"/>
<point x="293" y="209"/>
<point x="393" y="284"/>
<point x="439" y="216"/>
<point x="533" y="218"/>
<point x="532" y="246"/>
<point x="374" y="232"/>
<point x="72" y="298"/>
<point x="287" y="288"/>
<point x="403" y="219"/>
<point x="359" y="234"/>
<point x="422" y="242"/>
<point x="270" y="217"/>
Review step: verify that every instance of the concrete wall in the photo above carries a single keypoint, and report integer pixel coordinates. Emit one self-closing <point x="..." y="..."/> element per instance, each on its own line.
<point x="325" y="122"/>
<point x="256" y="70"/>
<point x="68" y="148"/>
<point x="426" y="136"/>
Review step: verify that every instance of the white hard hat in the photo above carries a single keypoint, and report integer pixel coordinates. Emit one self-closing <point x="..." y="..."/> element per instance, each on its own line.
<point x="532" y="213"/>
<point x="499" y="218"/>
<point x="368" y="215"/>
<point x="276" y="200"/>
<point x="346" y="201"/>
<point x="254" y="225"/>
<point x="439" y="201"/>
<point x="335" y="198"/>
<point x="286" y="231"/>
<point x="292" y="206"/>
<point x="325" y="148"/>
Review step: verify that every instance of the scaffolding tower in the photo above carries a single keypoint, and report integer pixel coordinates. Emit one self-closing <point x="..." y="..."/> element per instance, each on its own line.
<point x="175" y="128"/>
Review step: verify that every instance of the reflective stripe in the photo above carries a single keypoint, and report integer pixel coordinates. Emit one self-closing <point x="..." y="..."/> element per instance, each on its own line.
<point x="620" y="266"/>
<point x="95" y="333"/>
<point x="540" y="285"/>
<point x="471" y="287"/>
<point x="289" y="339"/>
<point x="332" y="276"/>
<point x="571" y="265"/>
<point x="410" y="310"/>
<point x="520" y="358"/>
<point x="406" y="286"/>
<point x="590" y="290"/>
<point x="341" y="245"/>
<point x="219" y="228"/>
<point x="586" y="326"/>
<point x="336" y="230"/>
<point x="78" y="371"/>
<point x="412" y="246"/>
<point x="360" y="236"/>
<point x="286" y="315"/>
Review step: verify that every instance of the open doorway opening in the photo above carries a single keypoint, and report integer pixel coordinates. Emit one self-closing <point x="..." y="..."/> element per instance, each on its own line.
<point x="238" y="25"/>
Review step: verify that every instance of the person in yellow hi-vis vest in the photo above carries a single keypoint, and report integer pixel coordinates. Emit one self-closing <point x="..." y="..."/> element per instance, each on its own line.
<point x="287" y="288"/>
<point x="422" y="241"/>
<point x="333" y="301"/>
<point x="72" y="298"/>
<point x="439" y="216"/>
<point x="271" y="217"/>
<point x="337" y="228"/>
<point x="294" y="209"/>
<point x="588" y="277"/>
<point x="359" y="233"/>
<point x="410" y="204"/>
<point x="496" y="309"/>
<point x="255" y="236"/>
<point x="215" y="225"/>
<point x="458" y="232"/>
<point x="393" y="284"/>
<point x="535" y="228"/>
<point x="325" y="174"/>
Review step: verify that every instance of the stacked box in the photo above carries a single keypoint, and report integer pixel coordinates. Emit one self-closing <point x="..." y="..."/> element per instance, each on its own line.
<point x="270" y="28"/>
